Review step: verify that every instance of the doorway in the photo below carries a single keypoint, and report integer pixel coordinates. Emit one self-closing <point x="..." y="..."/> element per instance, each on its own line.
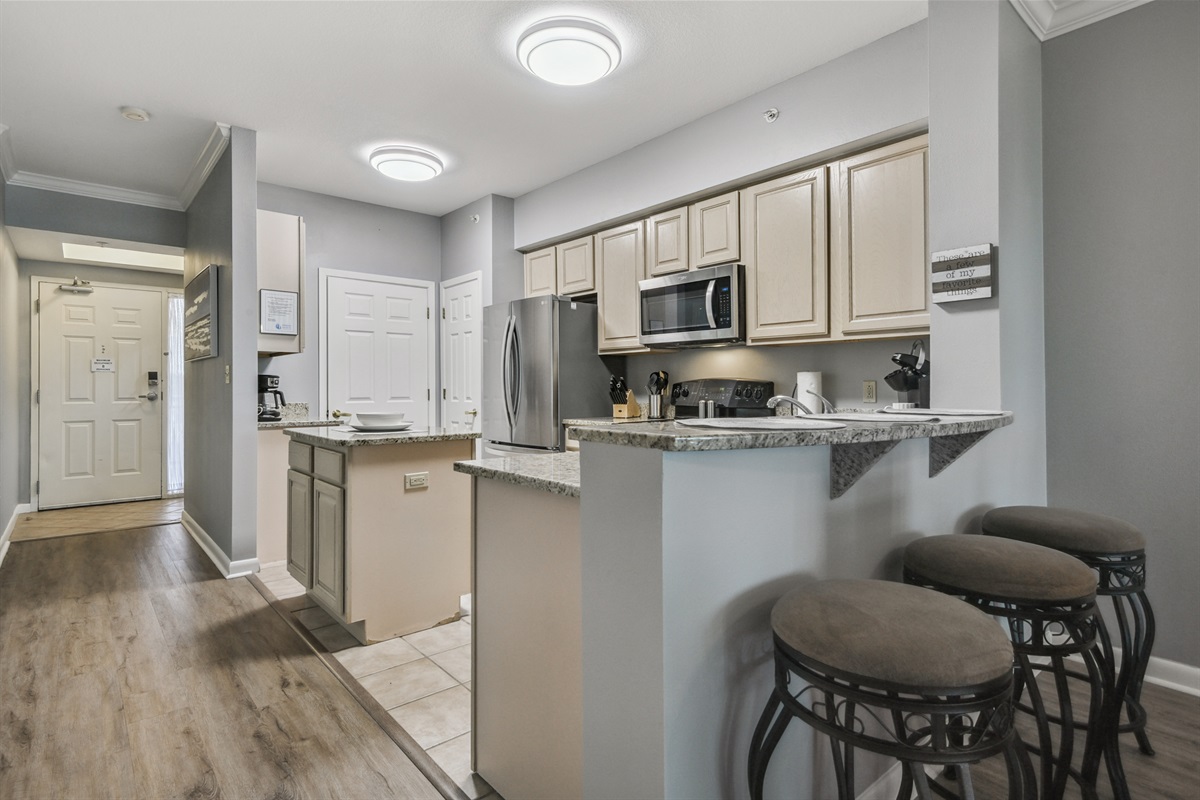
<point x="98" y="358"/>
<point x="462" y="345"/>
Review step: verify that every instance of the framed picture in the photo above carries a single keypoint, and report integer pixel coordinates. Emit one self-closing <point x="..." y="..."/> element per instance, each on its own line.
<point x="200" y="315"/>
<point x="278" y="312"/>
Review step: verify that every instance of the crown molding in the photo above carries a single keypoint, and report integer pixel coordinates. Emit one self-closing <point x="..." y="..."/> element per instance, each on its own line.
<point x="1050" y="18"/>
<point x="96" y="190"/>
<point x="218" y="140"/>
<point x="8" y="167"/>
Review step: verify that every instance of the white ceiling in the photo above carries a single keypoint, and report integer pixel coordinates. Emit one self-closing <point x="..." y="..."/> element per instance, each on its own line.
<point x="323" y="83"/>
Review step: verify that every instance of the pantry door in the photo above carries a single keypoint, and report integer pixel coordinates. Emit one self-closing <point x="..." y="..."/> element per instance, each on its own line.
<point x="462" y="343"/>
<point x="98" y="416"/>
<point x="377" y="333"/>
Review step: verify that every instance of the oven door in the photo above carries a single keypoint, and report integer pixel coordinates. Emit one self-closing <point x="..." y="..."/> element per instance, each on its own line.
<point x="693" y="308"/>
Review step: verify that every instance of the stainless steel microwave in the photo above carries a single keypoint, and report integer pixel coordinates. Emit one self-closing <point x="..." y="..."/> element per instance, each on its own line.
<point x="692" y="309"/>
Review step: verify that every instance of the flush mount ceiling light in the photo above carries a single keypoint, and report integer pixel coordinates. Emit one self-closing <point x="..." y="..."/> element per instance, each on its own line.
<point x="406" y="163"/>
<point x="569" y="51"/>
<point x="135" y="114"/>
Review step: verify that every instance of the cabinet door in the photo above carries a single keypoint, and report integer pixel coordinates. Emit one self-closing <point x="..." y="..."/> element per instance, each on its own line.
<point x="299" y="526"/>
<point x="714" y="231"/>
<point x="329" y="545"/>
<point x="540" y="273"/>
<point x="786" y="256"/>
<point x="576" y="270"/>
<point x="281" y="268"/>
<point x="620" y="264"/>
<point x="667" y="243"/>
<point x="879" y="262"/>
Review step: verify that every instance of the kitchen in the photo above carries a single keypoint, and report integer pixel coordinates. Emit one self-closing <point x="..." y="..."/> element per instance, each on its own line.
<point x="979" y="352"/>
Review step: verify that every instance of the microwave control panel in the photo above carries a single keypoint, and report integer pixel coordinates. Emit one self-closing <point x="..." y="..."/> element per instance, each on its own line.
<point x="735" y="395"/>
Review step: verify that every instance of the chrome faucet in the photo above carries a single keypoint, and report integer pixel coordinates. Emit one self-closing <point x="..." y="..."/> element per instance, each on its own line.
<point x="826" y="406"/>
<point x="777" y="399"/>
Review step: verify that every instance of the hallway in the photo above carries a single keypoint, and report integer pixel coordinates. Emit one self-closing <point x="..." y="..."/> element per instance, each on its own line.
<point x="132" y="669"/>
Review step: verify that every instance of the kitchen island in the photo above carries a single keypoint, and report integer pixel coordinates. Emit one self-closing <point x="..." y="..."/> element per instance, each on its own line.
<point x="621" y="628"/>
<point x="379" y="526"/>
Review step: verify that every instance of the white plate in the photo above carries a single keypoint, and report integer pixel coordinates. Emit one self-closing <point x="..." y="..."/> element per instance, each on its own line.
<point x="381" y="428"/>
<point x="941" y="412"/>
<point x="762" y="424"/>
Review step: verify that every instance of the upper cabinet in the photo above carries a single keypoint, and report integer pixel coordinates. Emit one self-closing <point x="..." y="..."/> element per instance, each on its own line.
<point x="713" y="228"/>
<point x="280" y="269"/>
<point x="667" y="243"/>
<point x="785" y="251"/>
<point x="878" y="253"/>
<point x="576" y="267"/>
<point x="541" y="273"/>
<point x="620" y="264"/>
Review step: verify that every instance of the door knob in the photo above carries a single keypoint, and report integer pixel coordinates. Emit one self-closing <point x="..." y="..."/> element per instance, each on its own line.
<point x="473" y="412"/>
<point x="151" y="395"/>
<point x="339" y="414"/>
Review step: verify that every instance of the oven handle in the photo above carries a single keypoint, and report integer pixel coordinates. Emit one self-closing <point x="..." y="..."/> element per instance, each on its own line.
<point x="708" y="303"/>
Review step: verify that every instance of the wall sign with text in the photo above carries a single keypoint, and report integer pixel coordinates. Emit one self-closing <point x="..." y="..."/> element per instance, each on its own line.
<point x="962" y="274"/>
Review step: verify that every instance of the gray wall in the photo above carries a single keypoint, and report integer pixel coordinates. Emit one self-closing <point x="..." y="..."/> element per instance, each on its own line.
<point x="45" y="210"/>
<point x="220" y="439"/>
<point x="486" y="245"/>
<point x="10" y="385"/>
<point x="508" y="266"/>
<point x="1122" y="153"/>
<point x="346" y="235"/>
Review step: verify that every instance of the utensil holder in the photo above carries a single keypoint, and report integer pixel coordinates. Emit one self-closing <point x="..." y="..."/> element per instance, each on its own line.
<point x="627" y="410"/>
<point x="654" y="407"/>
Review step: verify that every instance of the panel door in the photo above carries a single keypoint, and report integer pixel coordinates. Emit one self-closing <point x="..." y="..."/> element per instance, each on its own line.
<point x="541" y="274"/>
<point x="329" y="545"/>
<point x="879" y="262"/>
<point x="378" y="348"/>
<point x="99" y="420"/>
<point x="667" y="243"/>
<point x="462" y="342"/>
<point x="300" y="527"/>
<point x="786" y="257"/>
<point x="714" y="233"/>
<point x="620" y="264"/>
<point x="576" y="267"/>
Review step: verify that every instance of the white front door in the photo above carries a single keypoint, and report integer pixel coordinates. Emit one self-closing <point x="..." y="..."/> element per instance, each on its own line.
<point x="378" y="353"/>
<point x="462" y="342"/>
<point x="99" y="420"/>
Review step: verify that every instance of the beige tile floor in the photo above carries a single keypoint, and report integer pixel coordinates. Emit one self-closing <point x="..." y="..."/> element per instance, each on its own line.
<point x="423" y="680"/>
<point x="93" y="519"/>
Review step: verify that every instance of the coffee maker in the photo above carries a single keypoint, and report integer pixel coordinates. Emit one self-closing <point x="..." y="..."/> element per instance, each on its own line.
<point x="268" y="387"/>
<point x="911" y="381"/>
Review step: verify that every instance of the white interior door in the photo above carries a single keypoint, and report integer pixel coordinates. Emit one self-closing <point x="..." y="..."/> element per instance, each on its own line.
<point x="378" y="354"/>
<point x="462" y="343"/>
<point x="99" y="420"/>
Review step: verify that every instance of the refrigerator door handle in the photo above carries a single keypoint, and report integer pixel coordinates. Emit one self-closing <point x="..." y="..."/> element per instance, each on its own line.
<point x="516" y="350"/>
<point x="506" y="371"/>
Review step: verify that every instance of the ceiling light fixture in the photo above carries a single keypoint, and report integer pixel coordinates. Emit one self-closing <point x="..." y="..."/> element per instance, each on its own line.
<point x="407" y="163"/>
<point x="569" y="51"/>
<point x="135" y="114"/>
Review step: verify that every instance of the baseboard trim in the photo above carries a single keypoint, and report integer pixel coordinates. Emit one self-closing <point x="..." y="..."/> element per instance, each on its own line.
<point x="18" y="510"/>
<point x="230" y="569"/>
<point x="888" y="785"/>
<point x="1165" y="673"/>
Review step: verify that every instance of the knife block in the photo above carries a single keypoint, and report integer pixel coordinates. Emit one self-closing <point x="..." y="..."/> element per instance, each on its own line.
<point x="627" y="410"/>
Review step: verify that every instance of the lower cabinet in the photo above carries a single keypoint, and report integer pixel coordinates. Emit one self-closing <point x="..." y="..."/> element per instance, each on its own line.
<point x="299" y="526"/>
<point x="316" y="524"/>
<point x="329" y="546"/>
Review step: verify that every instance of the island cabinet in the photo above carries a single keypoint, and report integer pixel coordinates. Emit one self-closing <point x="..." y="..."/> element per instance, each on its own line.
<point x="878" y="249"/>
<point x="667" y="243"/>
<point x="620" y="264"/>
<point x="379" y="530"/>
<point x="786" y="255"/>
<point x="713" y="233"/>
<point x="541" y="273"/>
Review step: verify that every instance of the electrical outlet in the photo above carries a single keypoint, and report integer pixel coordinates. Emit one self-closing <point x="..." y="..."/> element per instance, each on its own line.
<point x="228" y="374"/>
<point x="869" y="392"/>
<point x="416" y="480"/>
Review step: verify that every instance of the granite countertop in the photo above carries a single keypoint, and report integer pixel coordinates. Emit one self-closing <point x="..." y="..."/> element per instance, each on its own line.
<point x="296" y="423"/>
<point x="345" y="436"/>
<point x="557" y="473"/>
<point x="667" y="435"/>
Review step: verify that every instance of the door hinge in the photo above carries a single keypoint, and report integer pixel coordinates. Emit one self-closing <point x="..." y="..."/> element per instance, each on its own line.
<point x="37" y="396"/>
<point x="443" y="313"/>
<point x="37" y="487"/>
<point x="427" y="313"/>
<point x="37" y="306"/>
<point x="428" y="394"/>
<point x="443" y="394"/>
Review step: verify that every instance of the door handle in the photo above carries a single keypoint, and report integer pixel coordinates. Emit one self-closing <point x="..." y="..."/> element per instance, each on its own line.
<point x="151" y="395"/>
<point x="339" y="414"/>
<point x="473" y="412"/>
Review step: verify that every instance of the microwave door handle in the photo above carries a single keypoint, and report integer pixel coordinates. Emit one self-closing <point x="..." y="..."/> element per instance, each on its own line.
<point x="708" y="303"/>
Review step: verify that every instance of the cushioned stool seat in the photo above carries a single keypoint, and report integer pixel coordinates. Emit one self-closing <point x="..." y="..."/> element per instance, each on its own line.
<point x="1117" y="552"/>
<point x="1048" y="599"/>
<point x="862" y="650"/>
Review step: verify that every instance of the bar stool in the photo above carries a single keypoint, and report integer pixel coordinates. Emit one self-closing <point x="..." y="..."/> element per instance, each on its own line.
<point x="896" y="670"/>
<point x="1117" y="552"/>
<point x="1048" y="600"/>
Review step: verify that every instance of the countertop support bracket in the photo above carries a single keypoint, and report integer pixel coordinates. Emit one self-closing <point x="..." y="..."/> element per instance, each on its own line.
<point x="849" y="462"/>
<point x="945" y="450"/>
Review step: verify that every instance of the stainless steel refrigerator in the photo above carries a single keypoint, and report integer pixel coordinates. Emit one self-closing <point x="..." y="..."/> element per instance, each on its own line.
<point x="540" y="367"/>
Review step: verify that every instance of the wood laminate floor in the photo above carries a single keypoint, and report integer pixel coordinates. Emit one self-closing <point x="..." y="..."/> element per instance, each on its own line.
<point x="90" y="519"/>
<point x="129" y="668"/>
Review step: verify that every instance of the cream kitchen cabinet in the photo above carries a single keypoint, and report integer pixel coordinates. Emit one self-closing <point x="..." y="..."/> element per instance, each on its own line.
<point x="785" y="251"/>
<point x="667" y="243"/>
<point x="878" y="250"/>
<point x="620" y="264"/>
<point x="713" y="231"/>
<point x="281" y="268"/>
<point x="575" y="265"/>
<point x="541" y="273"/>
<point x="299" y="526"/>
